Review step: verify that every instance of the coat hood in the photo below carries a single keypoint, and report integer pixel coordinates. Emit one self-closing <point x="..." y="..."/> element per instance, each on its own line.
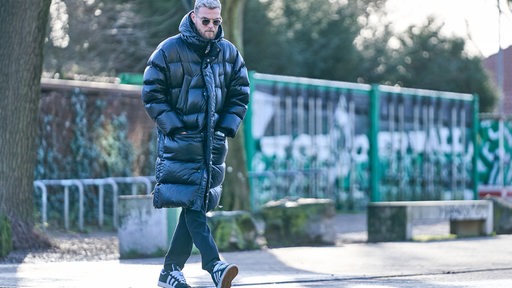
<point x="190" y="34"/>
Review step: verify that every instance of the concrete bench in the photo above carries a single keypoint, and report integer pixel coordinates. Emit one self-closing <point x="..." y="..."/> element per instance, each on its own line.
<point x="299" y="222"/>
<point x="393" y="221"/>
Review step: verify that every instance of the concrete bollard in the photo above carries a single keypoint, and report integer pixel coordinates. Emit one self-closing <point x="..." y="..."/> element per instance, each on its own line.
<point x="143" y="230"/>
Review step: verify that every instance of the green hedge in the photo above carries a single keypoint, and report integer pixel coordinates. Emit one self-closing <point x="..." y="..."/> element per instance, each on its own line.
<point x="5" y="236"/>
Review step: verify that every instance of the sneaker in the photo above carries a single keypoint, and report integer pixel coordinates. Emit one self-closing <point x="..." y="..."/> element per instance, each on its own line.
<point x="223" y="273"/>
<point x="172" y="278"/>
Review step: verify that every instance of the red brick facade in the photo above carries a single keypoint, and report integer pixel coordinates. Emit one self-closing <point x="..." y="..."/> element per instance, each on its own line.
<point x="491" y="65"/>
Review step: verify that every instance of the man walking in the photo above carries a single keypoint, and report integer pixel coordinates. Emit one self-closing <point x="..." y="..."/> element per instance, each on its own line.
<point x="196" y="89"/>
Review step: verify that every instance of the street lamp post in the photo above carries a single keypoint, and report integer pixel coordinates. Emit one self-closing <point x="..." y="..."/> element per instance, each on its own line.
<point x="499" y="72"/>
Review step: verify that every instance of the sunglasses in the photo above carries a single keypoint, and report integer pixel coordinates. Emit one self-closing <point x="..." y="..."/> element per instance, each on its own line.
<point x="206" y="21"/>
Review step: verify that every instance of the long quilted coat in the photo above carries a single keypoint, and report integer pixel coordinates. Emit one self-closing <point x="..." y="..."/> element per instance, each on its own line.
<point x="194" y="88"/>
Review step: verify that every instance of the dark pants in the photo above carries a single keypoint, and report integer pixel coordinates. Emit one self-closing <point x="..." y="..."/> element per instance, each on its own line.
<point x="192" y="229"/>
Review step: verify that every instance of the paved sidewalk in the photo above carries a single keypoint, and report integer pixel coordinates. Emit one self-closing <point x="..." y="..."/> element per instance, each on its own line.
<point x="471" y="262"/>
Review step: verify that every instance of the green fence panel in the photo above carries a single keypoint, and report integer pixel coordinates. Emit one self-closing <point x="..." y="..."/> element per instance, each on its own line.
<point x="495" y="154"/>
<point x="425" y="145"/>
<point x="308" y="138"/>
<point x="356" y="143"/>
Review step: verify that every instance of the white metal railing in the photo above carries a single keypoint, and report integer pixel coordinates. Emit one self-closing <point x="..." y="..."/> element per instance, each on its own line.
<point x="101" y="191"/>
<point x="80" y="184"/>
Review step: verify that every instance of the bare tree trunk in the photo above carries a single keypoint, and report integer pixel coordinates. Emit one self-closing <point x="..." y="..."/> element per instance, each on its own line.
<point x="233" y="24"/>
<point x="22" y="32"/>
<point x="236" y="186"/>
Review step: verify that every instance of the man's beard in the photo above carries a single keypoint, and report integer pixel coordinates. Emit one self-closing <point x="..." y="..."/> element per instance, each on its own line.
<point x="209" y="35"/>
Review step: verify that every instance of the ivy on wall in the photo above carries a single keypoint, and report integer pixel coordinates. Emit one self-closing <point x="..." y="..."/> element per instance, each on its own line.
<point x="80" y="138"/>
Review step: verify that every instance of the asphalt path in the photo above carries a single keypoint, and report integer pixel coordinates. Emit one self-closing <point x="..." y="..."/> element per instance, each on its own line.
<point x="469" y="262"/>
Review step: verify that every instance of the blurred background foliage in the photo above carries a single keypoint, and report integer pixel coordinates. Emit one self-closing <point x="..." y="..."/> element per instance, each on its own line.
<point x="345" y="40"/>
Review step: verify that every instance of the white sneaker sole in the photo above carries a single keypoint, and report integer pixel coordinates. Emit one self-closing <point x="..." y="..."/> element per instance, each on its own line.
<point x="164" y="285"/>
<point x="229" y="275"/>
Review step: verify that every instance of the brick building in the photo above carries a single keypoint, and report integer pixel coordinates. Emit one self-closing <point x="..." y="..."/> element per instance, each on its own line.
<point x="490" y="64"/>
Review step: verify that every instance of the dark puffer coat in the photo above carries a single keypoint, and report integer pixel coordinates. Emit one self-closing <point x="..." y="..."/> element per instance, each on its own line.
<point x="193" y="89"/>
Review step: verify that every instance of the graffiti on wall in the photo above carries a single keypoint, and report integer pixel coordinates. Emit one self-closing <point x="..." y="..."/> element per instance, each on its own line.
<point x="489" y="163"/>
<point x="314" y="141"/>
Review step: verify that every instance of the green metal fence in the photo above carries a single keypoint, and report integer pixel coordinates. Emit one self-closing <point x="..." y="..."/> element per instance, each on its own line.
<point x="495" y="155"/>
<point x="356" y="143"/>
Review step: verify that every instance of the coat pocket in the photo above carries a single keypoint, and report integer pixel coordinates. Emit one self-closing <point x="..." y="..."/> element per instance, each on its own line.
<point x="184" y="147"/>
<point x="175" y="195"/>
<point x="213" y="198"/>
